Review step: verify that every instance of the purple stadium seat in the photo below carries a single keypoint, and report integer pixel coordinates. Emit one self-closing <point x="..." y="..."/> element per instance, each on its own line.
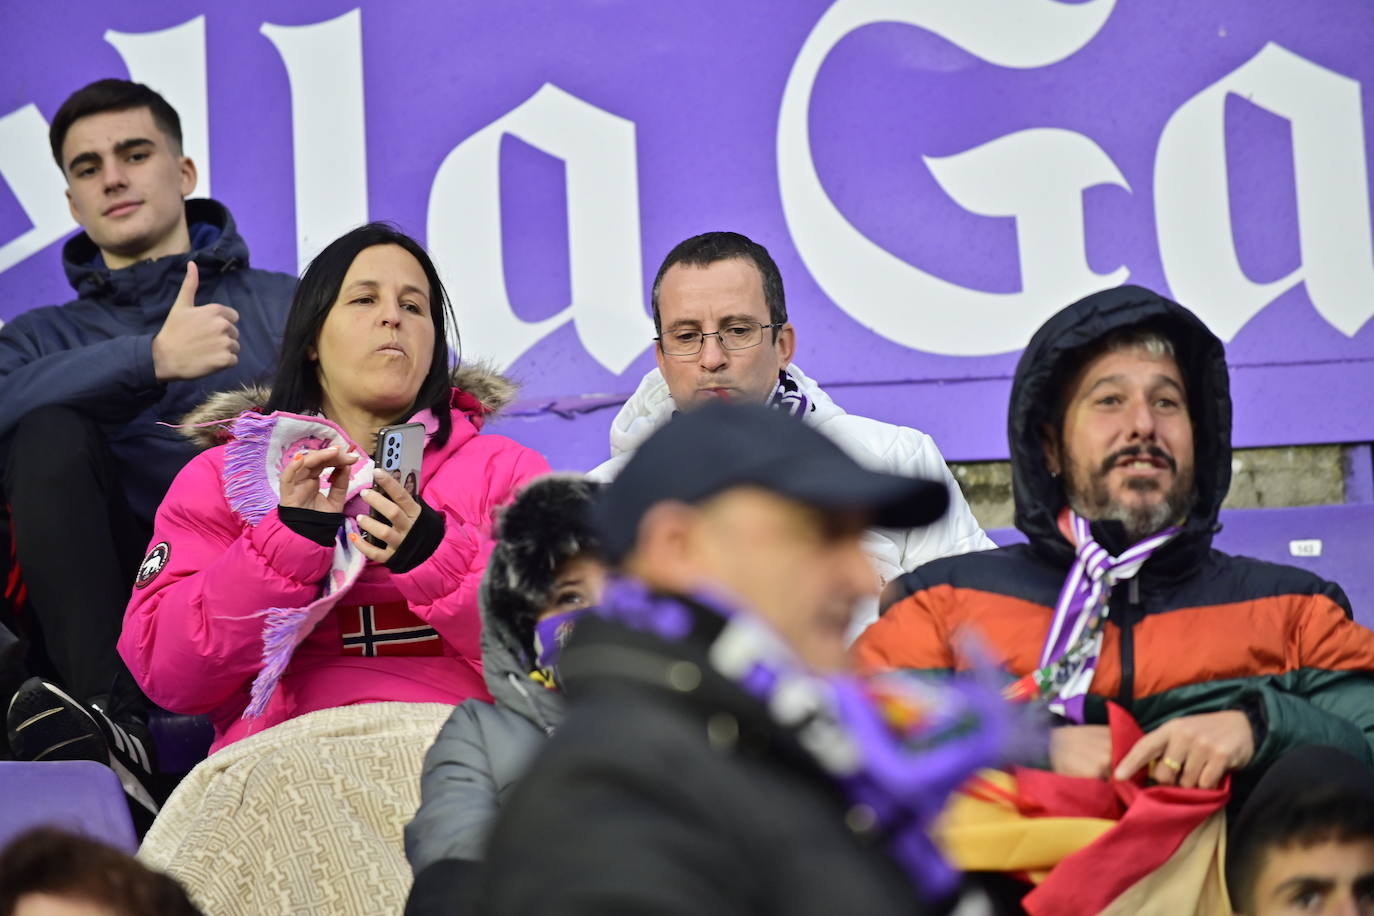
<point x="78" y="795"/>
<point x="1335" y="542"/>
<point x="181" y="741"/>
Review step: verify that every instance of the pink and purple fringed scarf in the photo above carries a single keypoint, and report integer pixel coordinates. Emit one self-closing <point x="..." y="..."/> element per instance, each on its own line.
<point x="253" y="462"/>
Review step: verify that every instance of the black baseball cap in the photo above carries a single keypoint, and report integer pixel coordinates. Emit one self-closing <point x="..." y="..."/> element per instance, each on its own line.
<point x="706" y="451"/>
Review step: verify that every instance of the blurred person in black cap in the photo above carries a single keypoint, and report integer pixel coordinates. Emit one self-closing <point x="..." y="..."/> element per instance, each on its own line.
<point x="718" y="756"/>
<point x="1304" y="842"/>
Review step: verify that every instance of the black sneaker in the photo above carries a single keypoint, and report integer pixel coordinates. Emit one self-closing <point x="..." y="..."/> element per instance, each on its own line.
<point x="47" y="724"/>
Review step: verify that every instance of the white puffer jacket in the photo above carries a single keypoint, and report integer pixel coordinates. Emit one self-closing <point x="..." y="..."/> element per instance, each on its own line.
<point x="874" y="444"/>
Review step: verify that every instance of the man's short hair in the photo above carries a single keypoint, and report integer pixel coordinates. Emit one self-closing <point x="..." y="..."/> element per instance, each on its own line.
<point x="712" y="247"/>
<point x="1314" y="795"/>
<point x="1137" y="337"/>
<point x="111" y="95"/>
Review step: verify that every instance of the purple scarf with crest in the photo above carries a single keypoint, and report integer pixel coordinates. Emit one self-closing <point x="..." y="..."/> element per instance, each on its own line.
<point x="897" y="744"/>
<point x="788" y="396"/>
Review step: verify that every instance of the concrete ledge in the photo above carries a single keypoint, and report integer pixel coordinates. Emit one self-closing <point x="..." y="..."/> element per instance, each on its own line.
<point x="1261" y="478"/>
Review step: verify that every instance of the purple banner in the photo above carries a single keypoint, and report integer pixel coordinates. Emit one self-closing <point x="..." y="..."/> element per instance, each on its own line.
<point x="933" y="179"/>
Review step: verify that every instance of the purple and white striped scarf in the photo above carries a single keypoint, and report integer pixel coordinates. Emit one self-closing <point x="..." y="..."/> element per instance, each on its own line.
<point x="1068" y="660"/>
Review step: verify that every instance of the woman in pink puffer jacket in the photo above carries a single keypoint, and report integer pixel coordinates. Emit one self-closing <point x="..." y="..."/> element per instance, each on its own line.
<point x="258" y="600"/>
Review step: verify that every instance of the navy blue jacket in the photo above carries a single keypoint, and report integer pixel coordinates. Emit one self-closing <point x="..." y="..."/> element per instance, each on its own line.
<point x="95" y="353"/>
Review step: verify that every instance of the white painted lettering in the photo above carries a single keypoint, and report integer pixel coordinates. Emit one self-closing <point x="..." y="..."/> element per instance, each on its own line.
<point x="324" y="63"/>
<point x="464" y="231"/>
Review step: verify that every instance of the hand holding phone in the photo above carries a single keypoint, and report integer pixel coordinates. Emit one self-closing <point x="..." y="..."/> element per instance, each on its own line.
<point x="400" y="451"/>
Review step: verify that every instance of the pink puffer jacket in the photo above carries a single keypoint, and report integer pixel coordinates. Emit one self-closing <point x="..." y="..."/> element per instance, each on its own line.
<point x="192" y="635"/>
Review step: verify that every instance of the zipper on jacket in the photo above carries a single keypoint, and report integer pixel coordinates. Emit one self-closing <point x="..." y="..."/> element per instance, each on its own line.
<point x="514" y="681"/>
<point x="1125" y="697"/>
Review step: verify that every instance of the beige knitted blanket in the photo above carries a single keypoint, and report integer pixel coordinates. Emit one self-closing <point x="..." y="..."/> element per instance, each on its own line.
<point x="305" y="817"/>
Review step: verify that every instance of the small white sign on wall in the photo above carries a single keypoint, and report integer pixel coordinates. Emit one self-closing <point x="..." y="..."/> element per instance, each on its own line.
<point x="1306" y="547"/>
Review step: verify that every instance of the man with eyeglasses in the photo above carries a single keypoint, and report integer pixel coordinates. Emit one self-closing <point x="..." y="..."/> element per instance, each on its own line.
<point x="723" y="334"/>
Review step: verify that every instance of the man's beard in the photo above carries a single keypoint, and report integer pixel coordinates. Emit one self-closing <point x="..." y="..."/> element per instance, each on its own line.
<point x="1092" y="500"/>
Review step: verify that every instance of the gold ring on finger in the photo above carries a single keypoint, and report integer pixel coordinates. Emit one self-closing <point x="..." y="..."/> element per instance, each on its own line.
<point x="1171" y="763"/>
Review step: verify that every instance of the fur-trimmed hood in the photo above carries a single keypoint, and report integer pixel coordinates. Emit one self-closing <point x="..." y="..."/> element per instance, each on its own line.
<point x="491" y="390"/>
<point x="545" y="526"/>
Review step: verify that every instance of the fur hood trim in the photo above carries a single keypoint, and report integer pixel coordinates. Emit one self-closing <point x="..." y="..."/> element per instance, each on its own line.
<point x="547" y="524"/>
<point x="493" y="391"/>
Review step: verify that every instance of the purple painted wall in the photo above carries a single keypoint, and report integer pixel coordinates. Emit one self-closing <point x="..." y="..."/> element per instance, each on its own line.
<point x="1334" y="542"/>
<point x="932" y="185"/>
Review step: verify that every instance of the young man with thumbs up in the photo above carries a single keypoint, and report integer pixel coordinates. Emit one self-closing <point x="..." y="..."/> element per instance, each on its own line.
<point x="167" y="310"/>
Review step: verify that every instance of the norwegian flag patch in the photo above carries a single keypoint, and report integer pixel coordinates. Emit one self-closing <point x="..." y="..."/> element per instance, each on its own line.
<point x="376" y="630"/>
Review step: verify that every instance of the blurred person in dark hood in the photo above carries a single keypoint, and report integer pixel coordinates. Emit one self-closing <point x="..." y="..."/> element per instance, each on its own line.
<point x="1120" y="434"/>
<point x="543" y="574"/>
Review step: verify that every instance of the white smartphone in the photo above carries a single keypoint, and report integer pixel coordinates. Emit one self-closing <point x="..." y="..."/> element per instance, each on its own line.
<point x="400" y="451"/>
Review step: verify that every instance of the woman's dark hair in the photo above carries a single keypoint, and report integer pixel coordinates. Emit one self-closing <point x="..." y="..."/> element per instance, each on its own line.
<point x="46" y="860"/>
<point x="296" y="388"/>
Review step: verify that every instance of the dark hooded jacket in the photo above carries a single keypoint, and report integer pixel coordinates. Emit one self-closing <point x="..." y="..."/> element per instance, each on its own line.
<point x="1196" y="630"/>
<point x="95" y="352"/>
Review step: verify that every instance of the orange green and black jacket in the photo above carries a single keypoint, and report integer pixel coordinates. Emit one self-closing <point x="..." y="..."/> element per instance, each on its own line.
<point x="1197" y="630"/>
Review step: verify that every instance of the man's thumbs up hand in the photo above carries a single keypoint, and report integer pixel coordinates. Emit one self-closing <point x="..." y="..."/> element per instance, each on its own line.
<point x="186" y="296"/>
<point x="195" y="340"/>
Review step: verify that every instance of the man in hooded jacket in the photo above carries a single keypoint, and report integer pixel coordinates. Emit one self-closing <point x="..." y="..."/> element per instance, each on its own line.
<point x="168" y="311"/>
<point x="1120" y="436"/>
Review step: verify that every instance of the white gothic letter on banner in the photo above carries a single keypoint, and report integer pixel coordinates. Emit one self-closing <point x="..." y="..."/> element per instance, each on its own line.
<point x="464" y="231"/>
<point x="172" y="63"/>
<point x="1037" y="176"/>
<point x="864" y="279"/>
<point x="324" y="64"/>
<point x="1193" y="204"/>
<point x="26" y="166"/>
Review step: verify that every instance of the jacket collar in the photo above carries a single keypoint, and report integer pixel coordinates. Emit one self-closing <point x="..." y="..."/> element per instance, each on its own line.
<point x="652" y="405"/>
<point x="507" y="674"/>
<point x="216" y="247"/>
<point x="608" y="656"/>
<point x="479" y="393"/>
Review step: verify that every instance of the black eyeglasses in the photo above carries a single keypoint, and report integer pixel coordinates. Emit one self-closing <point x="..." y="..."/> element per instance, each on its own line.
<point x="738" y="336"/>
